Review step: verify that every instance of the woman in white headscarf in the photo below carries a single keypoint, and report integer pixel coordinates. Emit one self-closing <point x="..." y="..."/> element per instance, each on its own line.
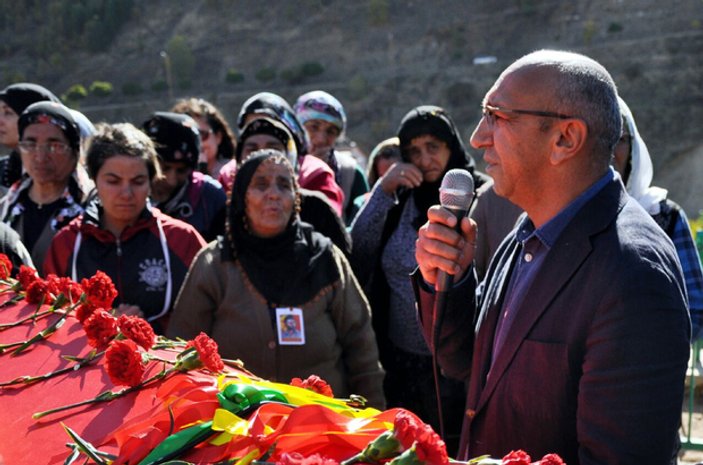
<point x="632" y="161"/>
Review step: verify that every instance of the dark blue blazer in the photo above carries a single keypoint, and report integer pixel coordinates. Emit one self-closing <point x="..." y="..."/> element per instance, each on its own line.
<point x="593" y="365"/>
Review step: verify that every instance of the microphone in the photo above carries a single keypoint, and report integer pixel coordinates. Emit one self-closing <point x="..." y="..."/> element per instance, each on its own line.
<point x="455" y="194"/>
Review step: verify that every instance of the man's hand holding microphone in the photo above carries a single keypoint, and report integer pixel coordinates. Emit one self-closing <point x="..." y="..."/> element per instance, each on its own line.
<point x="446" y="243"/>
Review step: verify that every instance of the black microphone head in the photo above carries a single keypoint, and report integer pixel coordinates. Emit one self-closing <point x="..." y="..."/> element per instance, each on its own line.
<point x="457" y="190"/>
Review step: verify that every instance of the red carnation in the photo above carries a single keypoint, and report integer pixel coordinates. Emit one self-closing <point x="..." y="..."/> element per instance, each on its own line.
<point x="517" y="457"/>
<point x="315" y="384"/>
<point x="66" y="286"/>
<point x="430" y="448"/>
<point x="405" y="428"/>
<point x="124" y="363"/>
<point x="26" y="276"/>
<point x="138" y="330"/>
<point x="101" y="328"/>
<point x="551" y="459"/>
<point x="207" y="352"/>
<point x="295" y="458"/>
<point x="5" y="266"/>
<point x="37" y="292"/>
<point x="84" y="310"/>
<point x="99" y="290"/>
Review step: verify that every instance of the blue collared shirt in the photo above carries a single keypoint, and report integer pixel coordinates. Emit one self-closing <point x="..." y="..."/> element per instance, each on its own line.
<point x="535" y="246"/>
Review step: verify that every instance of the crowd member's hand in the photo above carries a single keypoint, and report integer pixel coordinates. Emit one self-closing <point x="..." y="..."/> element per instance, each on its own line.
<point x="440" y="247"/>
<point x="401" y="174"/>
<point x="129" y="310"/>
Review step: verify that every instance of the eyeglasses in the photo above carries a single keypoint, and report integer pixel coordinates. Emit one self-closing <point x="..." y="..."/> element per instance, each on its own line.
<point x="489" y="112"/>
<point x="52" y="148"/>
<point x="205" y="134"/>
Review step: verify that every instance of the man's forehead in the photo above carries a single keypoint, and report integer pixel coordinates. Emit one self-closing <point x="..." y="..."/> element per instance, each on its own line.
<point x="518" y="83"/>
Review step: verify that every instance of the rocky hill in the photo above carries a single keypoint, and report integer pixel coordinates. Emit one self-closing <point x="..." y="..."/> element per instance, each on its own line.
<point x="381" y="58"/>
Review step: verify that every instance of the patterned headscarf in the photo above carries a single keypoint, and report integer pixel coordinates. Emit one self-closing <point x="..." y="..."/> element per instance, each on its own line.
<point x="320" y="105"/>
<point x="175" y="136"/>
<point x="51" y="113"/>
<point x="275" y="106"/>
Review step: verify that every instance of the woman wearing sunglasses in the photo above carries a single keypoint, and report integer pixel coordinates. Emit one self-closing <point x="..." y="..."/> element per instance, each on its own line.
<point x="217" y="141"/>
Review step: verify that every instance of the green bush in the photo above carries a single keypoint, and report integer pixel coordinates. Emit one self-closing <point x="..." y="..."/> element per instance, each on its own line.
<point x="297" y="74"/>
<point x="233" y="76"/>
<point x="311" y="68"/>
<point x="75" y="92"/>
<point x="132" y="88"/>
<point x="100" y="88"/>
<point x="265" y="74"/>
<point x="614" y="27"/>
<point x="292" y="75"/>
<point x="159" y="86"/>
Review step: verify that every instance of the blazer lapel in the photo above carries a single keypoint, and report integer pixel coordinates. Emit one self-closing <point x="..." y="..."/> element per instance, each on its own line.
<point x="491" y="305"/>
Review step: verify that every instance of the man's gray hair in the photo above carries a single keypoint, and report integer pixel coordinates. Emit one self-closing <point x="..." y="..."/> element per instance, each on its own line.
<point x="585" y="90"/>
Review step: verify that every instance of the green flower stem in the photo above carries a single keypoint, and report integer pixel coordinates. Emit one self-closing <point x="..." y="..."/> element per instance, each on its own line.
<point x="409" y="457"/>
<point x="44" y="334"/>
<point x="41" y="335"/>
<point x="80" y="363"/>
<point x="10" y="345"/>
<point x="36" y="310"/>
<point x="32" y="317"/>
<point x="12" y="301"/>
<point x="163" y="343"/>
<point x="107" y="395"/>
<point x="385" y="446"/>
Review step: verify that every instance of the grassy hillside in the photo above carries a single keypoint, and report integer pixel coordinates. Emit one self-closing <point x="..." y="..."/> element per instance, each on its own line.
<point x="379" y="57"/>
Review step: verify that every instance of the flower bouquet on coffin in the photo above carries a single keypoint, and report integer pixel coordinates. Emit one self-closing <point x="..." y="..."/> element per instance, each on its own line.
<point x="126" y="363"/>
<point x="101" y="328"/>
<point x="62" y="294"/>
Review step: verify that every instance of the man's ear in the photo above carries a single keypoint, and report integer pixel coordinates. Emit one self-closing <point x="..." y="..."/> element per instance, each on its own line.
<point x="571" y="138"/>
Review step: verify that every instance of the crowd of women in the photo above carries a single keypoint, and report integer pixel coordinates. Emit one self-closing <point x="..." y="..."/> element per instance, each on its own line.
<point x="274" y="242"/>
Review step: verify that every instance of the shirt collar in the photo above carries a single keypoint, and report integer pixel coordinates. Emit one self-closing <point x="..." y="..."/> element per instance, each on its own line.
<point x="550" y="231"/>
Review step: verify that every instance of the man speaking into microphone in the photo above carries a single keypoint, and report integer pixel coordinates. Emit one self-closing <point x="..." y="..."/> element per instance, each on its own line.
<point x="577" y="341"/>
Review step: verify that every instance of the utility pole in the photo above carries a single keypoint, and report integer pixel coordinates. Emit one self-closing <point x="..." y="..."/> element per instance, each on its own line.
<point x="169" y="78"/>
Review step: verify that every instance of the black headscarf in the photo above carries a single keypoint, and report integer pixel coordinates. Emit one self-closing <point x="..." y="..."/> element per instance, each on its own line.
<point x="268" y="125"/>
<point x="21" y="95"/>
<point x="289" y="269"/>
<point x="434" y="121"/>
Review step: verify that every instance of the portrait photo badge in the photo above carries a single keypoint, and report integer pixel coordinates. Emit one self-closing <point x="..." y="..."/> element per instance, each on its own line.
<point x="290" y="326"/>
